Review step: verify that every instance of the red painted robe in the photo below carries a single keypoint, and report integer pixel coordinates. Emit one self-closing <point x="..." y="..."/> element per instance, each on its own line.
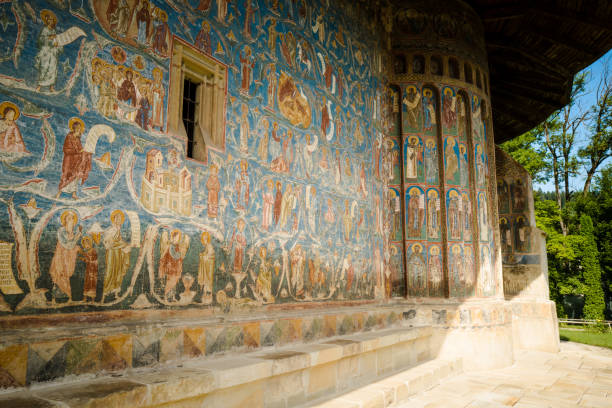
<point x="76" y="164"/>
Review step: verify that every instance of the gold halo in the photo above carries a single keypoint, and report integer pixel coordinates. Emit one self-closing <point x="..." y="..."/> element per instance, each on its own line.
<point x="432" y="194"/>
<point x="67" y="213"/>
<point x="5" y="105"/>
<point x="86" y="238"/>
<point x="448" y="91"/>
<point x="430" y="143"/>
<point x="456" y="249"/>
<point x="175" y="231"/>
<point x="411" y="87"/>
<point x="263" y="251"/>
<point x="467" y="250"/>
<point x="156" y="71"/>
<point x="414" y="191"/>
<point x="427" y="92"/>
<point x="162" y="15"/>
<point x="118" y="212"/>
<point x="47" y="13"/>
<point x="206" y="25"/>
<point x="414" y="246"/>
<point x="434" y="250"/>
<point x="462" y="148"/>
<point x="412" y="138"/>
<point x="74" y="120"/>
<point x="453" y="193"/>
<point x="502" y="220"/>
<point x="205" y="237"/>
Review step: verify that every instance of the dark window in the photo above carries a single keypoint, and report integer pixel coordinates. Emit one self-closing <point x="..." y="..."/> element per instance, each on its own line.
<point x="400" y="64"/>
<point x="418" y="64"/>
<point x="453" y="68"/>
<point x="468" y="74"/>
<point x="189" y="112"/>
<point x="478" y="80"/>
<point x="435" y="65"/>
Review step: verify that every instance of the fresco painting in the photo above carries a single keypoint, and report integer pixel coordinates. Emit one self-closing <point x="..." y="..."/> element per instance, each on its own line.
<point x="514" y="223"/>
<point x="301" y="201"/>
<point x="105" y="209"/>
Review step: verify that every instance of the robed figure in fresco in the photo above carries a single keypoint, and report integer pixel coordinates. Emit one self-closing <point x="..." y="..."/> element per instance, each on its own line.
<point x="450" y="158"/>
<point x="263" y="282"/>
<point x="248" y="63"/>
<point x="449" y="111"/>
<point x="213" y="186"/>
<point x="433" y="214"/>
<point x="117" y="254"/>
<point x="239" y="242"/>
<point x="206" y="268"/>
<point x="158" y="92"/>
<point x="143" y="22"/>
<point x="10" y="135"/>
<point x="429" y="110"/>
<point x="454" y="223"/>
<point x="435" y="271"/>
<point x="411" y="100"/>
<point x="121" y="18"/>
<point x="89" y="255"/>
<point x="416" y="269"/>
<point x="172" y="249"/>
<point x="77" y="162"/>
<point x="46" y="59"/>
<point x="268" y="206"/>
<point x="416" y="206"/>
<point x="242" y="187"/>
<point x="412" y="157"/>
<point x="431" y="161"/>
<point x="456" y="267"/>
<point x="66" y="250"/>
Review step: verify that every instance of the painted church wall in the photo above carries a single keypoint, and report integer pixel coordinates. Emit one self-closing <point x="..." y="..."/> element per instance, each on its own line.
<point x="102" y="210"/>
<point x="446" y="120"/>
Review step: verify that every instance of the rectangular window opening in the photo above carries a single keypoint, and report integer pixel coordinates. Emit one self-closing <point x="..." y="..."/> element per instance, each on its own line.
<point x="190" y="92"/>
<point x="196" y="107"/>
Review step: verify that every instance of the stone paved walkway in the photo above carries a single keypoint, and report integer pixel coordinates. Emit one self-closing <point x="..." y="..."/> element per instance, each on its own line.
<point x="578" y="376"/>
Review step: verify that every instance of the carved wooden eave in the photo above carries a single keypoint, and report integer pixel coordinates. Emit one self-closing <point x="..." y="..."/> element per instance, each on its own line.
<point x="534" y="49"/>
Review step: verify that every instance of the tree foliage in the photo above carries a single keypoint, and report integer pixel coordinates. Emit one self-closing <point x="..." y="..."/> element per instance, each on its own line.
<point x="593" y="297"/>
<point x="575" y="141"/>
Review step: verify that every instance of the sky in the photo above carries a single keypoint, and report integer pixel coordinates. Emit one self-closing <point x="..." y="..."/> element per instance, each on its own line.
<point x="584" y="102"/>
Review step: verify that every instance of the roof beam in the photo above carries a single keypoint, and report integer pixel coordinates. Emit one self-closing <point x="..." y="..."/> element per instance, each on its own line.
<point x="508" y="90"/>
<point x="523" y="66"/>
<point x="521" y="86"/>
<point x="505" y="43"/>
<point x="563" y="41"/>
<point x="576" y="17"/>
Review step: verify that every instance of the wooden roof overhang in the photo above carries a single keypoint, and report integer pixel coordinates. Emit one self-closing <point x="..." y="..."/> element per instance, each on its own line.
<point x="535" y="47"/>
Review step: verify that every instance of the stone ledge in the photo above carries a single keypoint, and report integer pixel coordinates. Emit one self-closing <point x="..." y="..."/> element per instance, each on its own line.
<point x="396" y="388"/>
<point x="310" y="371"/>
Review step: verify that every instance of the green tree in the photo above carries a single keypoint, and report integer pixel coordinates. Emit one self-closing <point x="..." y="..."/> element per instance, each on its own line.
<point x="594" y="297"/>
<point x="599" y="143"/>
<point x="526" y="150"/>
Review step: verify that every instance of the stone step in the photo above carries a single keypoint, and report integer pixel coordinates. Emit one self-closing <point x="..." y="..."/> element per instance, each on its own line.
<point x="397" y="388"/>
<point x="280" y="377"/>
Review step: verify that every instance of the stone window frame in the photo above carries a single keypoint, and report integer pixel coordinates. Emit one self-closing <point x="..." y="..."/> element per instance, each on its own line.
<point x="187" y="62"/>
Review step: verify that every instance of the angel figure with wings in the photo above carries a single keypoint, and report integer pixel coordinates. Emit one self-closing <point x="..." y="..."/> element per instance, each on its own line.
<point x="172" y="249"/>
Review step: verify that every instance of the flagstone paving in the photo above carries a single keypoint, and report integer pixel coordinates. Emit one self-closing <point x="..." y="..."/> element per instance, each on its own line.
<point x="577" y="376"/>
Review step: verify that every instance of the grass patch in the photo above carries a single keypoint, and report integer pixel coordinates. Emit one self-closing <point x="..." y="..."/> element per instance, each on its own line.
<point x="587" y="337"/>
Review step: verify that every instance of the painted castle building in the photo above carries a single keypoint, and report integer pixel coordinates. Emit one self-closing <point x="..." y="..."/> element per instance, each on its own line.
<point x="168" y="189"/>
<point x="273" y="173"/>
